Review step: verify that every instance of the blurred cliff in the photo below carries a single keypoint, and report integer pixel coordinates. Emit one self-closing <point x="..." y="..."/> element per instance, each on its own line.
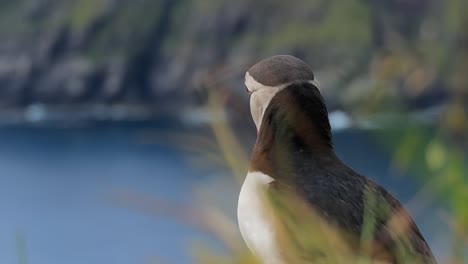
<point x="148" y="57"/>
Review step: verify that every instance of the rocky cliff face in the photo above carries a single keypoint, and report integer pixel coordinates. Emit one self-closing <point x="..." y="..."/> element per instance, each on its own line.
<point x="163" y="52"/>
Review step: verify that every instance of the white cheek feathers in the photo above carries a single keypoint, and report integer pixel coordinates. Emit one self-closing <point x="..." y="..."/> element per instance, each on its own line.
<point x="251" y="84"/>
<point x="261" y="96"/>
<point x="259" y="101"/>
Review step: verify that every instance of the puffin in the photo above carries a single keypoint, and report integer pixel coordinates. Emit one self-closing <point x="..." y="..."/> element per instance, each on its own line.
<point x="300" y="203"/>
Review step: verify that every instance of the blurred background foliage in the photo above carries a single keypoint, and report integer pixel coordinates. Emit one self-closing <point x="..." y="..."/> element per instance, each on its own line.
<point x="112" y="51"/>
<point x="170" y="72"/>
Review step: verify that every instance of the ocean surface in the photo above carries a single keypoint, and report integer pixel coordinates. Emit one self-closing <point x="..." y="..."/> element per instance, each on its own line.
<point x="58" y="185"/>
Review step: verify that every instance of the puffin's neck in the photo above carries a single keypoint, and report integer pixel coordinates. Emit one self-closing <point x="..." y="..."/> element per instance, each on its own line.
<point x="295" y="132"/>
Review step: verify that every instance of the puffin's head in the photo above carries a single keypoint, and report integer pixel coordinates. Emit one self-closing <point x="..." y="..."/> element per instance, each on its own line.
<point x="271" y="75"/>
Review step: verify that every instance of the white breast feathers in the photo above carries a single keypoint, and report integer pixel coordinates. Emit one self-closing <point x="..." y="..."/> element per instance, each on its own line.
<point x="256" y="219"/>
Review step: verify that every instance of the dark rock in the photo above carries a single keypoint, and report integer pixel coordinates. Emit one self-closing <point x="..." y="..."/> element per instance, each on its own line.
<point x="155" y="52"/>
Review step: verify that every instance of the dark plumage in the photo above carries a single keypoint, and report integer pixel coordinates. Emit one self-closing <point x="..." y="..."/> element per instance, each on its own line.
<point x="294" y="147"/>
<point x="281" y="69"/>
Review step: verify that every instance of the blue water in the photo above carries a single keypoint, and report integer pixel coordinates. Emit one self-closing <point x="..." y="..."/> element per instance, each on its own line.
<point x="58" y="184"/>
